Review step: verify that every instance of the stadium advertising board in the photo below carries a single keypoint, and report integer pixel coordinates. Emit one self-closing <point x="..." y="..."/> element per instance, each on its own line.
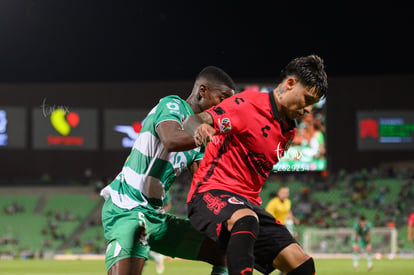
<point x="12" y="127"/>
<point x="385" y="130"/>
<point x="121" y="127"/>
<point x="65" y="128"/>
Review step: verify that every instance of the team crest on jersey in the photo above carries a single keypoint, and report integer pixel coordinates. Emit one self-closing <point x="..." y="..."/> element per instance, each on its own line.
<point x="224" y="125"/>
<point x="234" y="200"/>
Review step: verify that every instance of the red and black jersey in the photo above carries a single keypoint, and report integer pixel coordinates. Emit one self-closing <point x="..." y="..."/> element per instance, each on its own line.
<point x="411" y="220"/>
<point x="250" y="139"/>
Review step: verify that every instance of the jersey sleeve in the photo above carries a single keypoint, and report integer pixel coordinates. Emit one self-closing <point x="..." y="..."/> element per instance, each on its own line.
<point x="230" y="115"/>
<point x="170" y="108"/>
<point x="167" y="197"/>
<point x="356" y="226"/>
<point x="200" y="154"/>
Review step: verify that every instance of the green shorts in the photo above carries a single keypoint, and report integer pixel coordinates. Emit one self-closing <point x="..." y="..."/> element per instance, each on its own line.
<point x="361" y="243"/>
<point x="165" y="234"/>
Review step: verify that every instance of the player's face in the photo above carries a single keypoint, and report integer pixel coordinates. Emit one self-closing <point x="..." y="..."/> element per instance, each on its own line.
<point x="213" y="95"/>
<point x="362" y="223"/>
<point x="283" y="193"/>
<point x="298" y="101"/>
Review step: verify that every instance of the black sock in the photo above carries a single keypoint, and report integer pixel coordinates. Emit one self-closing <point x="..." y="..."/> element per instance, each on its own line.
<point x="307" y="268"/>
<point x="240" y="256"/>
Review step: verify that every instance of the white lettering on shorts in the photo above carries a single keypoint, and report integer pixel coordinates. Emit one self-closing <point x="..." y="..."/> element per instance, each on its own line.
<point x="143" y="238"/>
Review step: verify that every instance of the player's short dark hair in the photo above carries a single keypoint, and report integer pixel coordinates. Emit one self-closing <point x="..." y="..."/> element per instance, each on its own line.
<point x="217" y="75"/>
<point x="362" y="218"/>
<point x="308" y="70"/>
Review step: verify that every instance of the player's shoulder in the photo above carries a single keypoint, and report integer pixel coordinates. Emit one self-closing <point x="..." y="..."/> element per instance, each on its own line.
<point x="251" y="99"/>
<point x="172" y="98"/>
<point x="274" y="199"/>
<point x="278" y="200"/>
<point x="250" y="94"/>
<point x="173" y="102"/>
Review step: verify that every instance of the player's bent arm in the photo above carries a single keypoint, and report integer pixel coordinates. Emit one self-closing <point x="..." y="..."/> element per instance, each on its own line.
<point x="368" y="237"/>
<point x="295" y="220"/>
<point x="194" y="121"/>
<point x="200" y="127"/>
<point x="173" y="137"/>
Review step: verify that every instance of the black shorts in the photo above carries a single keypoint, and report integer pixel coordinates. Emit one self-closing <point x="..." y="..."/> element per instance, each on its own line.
<point x="209" y="211"/>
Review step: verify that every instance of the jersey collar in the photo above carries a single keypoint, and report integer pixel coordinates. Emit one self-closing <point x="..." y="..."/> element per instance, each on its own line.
<point x="291" y="124"/>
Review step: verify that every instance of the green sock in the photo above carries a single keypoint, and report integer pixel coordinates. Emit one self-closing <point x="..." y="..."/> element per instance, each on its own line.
<point x="219" y="270"/>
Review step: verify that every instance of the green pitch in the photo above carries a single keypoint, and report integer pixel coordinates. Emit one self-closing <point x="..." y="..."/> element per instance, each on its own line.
<point x="179" y="267"/>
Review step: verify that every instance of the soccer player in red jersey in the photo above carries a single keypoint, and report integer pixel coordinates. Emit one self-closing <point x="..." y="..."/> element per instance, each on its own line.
<point x="247" y="134"/>
<point x="410" y="227"/>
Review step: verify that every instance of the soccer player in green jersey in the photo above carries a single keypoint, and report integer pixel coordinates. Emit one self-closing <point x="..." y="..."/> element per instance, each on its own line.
<point x="157" y="257"/>
<point x="361" y="240"/>
<point x="133" y="218"/>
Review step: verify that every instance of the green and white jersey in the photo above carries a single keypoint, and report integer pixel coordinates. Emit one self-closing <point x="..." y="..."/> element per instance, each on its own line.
<point x="149" y="169"/>
<point x="361" y="232"/>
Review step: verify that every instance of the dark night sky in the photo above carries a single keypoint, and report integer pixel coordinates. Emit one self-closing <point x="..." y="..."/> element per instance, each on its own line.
<point x="50" y="40"/>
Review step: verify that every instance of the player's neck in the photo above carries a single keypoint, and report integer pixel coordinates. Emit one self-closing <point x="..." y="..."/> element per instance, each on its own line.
<point x="277" y="96"/>
<point x="193" y="102"/>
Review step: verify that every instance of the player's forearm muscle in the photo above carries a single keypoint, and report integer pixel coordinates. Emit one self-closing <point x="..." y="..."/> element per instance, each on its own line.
<point x="173" y="137"/>
<point x="193" y="122"/>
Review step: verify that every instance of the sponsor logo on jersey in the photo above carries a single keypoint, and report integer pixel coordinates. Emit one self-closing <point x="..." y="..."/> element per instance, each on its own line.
<point x="234" y="200"/>
<point x="214" y="204"/>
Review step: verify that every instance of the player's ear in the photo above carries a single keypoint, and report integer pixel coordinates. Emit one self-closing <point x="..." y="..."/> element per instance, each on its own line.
<point x="202" y="90"/>
<point x="290" y="83"/>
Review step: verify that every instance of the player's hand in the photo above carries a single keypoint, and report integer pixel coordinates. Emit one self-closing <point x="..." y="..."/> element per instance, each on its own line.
<point x="203" y="134"/>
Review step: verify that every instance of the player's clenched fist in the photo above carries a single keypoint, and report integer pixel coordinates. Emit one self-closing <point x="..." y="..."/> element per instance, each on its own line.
<point x="203" y="134"/>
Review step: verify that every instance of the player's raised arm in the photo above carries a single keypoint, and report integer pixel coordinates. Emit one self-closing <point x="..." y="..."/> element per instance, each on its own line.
<point x="200" y="127"/>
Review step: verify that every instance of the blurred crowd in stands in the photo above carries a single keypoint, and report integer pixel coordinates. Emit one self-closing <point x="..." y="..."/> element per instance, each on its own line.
<point x="323" y="200"/>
